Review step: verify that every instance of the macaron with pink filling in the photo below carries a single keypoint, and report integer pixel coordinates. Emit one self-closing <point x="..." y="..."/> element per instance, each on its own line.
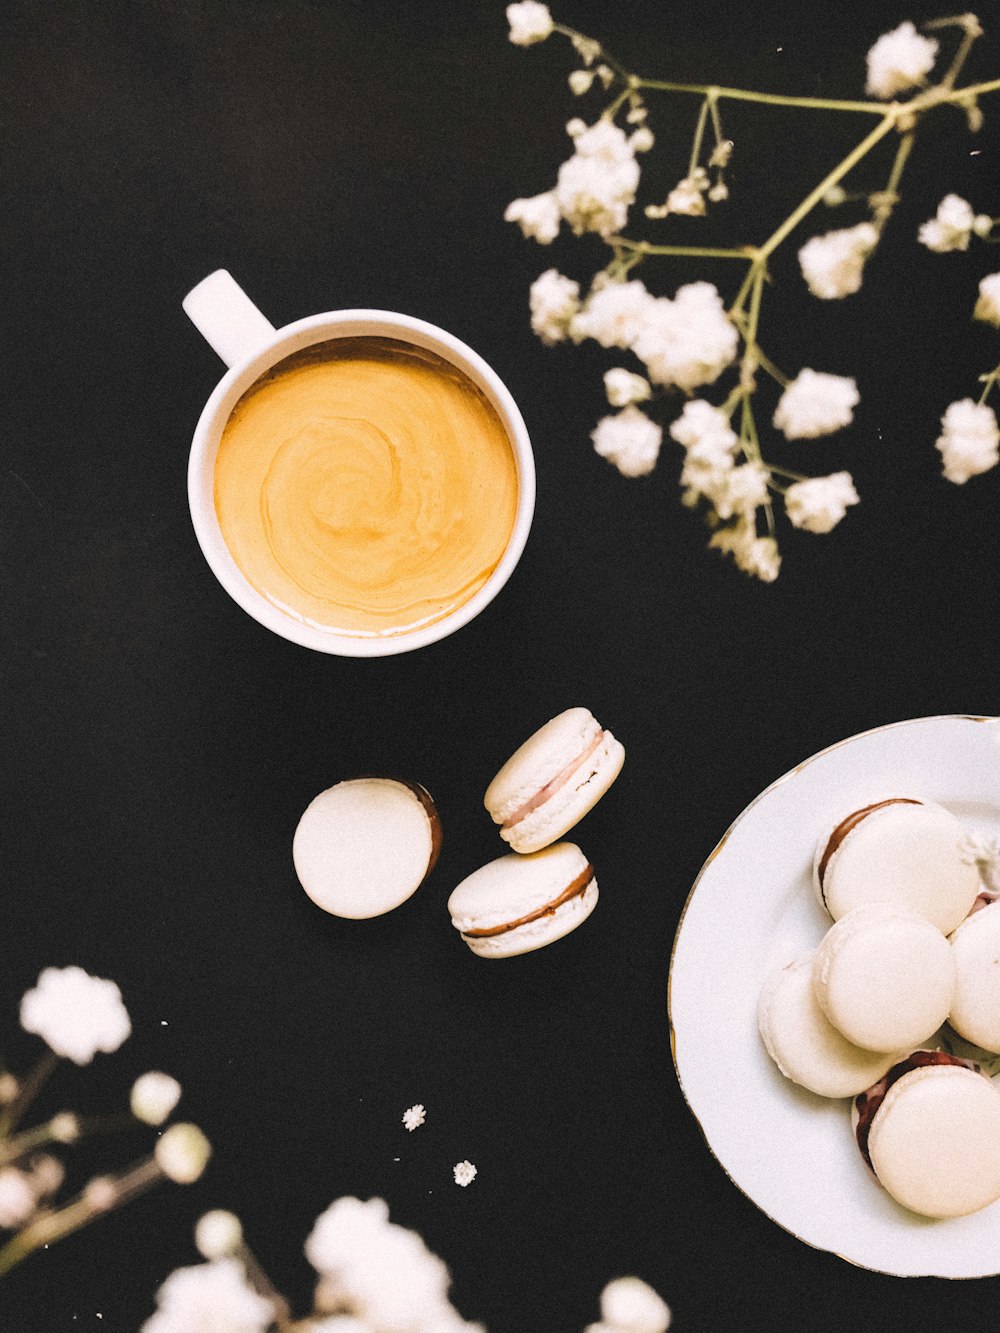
<point x="553" y="779"/>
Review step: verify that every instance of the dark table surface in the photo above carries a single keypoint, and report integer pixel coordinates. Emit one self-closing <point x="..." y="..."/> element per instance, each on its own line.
<point x="158" y="745"/>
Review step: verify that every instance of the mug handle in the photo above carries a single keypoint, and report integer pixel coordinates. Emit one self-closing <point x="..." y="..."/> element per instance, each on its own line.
<point x="226" y="317"/>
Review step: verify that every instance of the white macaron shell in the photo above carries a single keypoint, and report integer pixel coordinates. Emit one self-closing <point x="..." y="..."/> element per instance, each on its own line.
<point x="934" y="1142"/>
<point x="363" y="847"/>
<point x="975" y="1012"/>
<point x="536" y="934"/>
<point x="804" y="1044"/>
<point x="512" y="887"/>
<point x="885" y="978"/>
<point x="575" y="797"/>
<point x="905" y="854"/>
<point x="540" y="759"/>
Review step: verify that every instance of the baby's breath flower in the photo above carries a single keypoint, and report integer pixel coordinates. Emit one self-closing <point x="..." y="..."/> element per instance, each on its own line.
<point x="554" y="302"/>
<point x="17" y="1198"/>
<point x="701" y="423"/>
<point x="969" y="442"/>
<point x="182" y="1153"/>
<point x="718" y="192"/>
<point x="687" y="198"/>
<point x="988" y="305"/>
<point x="687" y="341"/>
<point x="642" y="139"/>
<point x="465" y="1173"/>
<point x="414" y="1117"/>
<point x="833" y="264"/>
<point x="629" y="440"/>
<point x="628" y="1305"/>
<point x="154" y="1096"/>
<point x="529" y="21"/>
<point x="818" y="505"/>
<point x="75" y="1013"/>
<point x="575" y="127"/>
<point x="951" y="226"/>
<point x="623" y="387"/>
<point x="214" y="1296"/>
<point x="899" y="60"/>
<point x="596" y="186"/>
<point x="580" y="81"/>
<point x="100" y="1194"/>
<point x="815" y="404"/>
<point x="538" y="217"/>
<point x="64" y="1127"/>
<point x="741" y="490"/>
<point x="612" y="313"/>
<point x="380" y="1272"/>
<point x="218" y="1234"/>
<point x="757" y="556"/>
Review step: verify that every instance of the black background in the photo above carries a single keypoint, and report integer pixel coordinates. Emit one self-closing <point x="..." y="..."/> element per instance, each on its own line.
<point x="159" y="746"/>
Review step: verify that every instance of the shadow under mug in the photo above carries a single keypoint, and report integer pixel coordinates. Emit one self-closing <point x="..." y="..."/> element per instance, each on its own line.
<point x="250" y="345"/>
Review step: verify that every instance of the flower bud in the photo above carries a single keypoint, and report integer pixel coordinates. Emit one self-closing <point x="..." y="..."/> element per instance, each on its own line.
<point x="64" y="1127"/>
<point x="154" y="1096"/>
<point x="218" y="1234"/>
<point x="182" y="1153"/>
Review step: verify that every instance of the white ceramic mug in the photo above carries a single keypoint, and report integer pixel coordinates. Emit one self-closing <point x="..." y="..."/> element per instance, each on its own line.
<point x="250" y="345"/>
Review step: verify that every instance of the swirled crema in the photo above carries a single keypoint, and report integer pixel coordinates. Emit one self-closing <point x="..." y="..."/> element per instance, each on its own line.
<point x="365" y="485"/>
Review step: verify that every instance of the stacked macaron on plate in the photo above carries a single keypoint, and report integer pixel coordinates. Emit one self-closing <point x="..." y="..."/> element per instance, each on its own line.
<point x="756" y="907"/>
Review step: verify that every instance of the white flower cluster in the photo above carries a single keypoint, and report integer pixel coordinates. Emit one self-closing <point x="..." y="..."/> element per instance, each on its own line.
<point x="75" y="1013"/>
<point x="833" y="264"/>
<point x="629" y="1305"/>
<point x="379" y="1272"/>
<point x="899" y="60"/>
<point x="969" y="442"/>
<point x="815" y="404"/>
<point x="594" y="188"/>
<point x="529" y="21"/>
<point x="215" y="1297"/>
<point x="26" y="1188"/>
<point x="988" y="306"/>
<point x="952" y="225"/>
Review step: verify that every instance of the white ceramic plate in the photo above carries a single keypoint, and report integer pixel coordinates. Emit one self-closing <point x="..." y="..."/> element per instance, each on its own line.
<point x="752" y="909"/>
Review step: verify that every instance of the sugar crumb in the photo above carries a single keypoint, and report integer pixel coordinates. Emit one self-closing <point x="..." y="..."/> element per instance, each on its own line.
<point x="465" y="1173"/>
<point x="414" y="1117"/>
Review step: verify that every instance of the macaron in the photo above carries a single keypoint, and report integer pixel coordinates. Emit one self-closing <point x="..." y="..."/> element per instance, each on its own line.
<point x="975" y="1012"/>
<point x="552" y="780"/>
<point x="931" y="1134"/>
<point x="365" y="845"/>
<point x="898" y="850"/>
<point x="884" y="977"/>
<point x="518" y="903"/>
<point x="805" y="1045"/>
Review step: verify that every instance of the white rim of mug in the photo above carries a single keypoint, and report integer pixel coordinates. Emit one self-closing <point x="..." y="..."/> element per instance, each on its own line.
<point x="294" y="338"/>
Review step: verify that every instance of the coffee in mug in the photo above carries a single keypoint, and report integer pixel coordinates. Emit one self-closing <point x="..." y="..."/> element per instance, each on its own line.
<point x="361" y="482"/>
<point x="365" y="485"/>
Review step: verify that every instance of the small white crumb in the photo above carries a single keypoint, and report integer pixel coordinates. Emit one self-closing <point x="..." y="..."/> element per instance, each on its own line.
<point x="414" y="1117"/>
<point x="465" y="1173"/>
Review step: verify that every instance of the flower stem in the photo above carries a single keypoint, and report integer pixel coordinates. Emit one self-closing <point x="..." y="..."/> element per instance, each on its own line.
<point x="748" y="95"/>
<point x="832" y="178"/>
<point x="693" y="251"/>
<point x="989" y="381"/>
<point x="699" y="134"/>
<point x="53" y="1226"/>
<point x="11" y="1116"/>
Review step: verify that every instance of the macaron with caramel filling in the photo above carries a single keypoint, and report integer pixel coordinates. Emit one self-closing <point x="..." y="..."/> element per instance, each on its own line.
<point x="805" y="1045"/>
<point x="884" y="977"/>
<point x="518" y="903"/>
<point x="365" y="845"/>
<point x="551" y="781"/>
<point x="975" y="1012"/>
<point x="930" y="1132"/>
<point x="899" y="850"/>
